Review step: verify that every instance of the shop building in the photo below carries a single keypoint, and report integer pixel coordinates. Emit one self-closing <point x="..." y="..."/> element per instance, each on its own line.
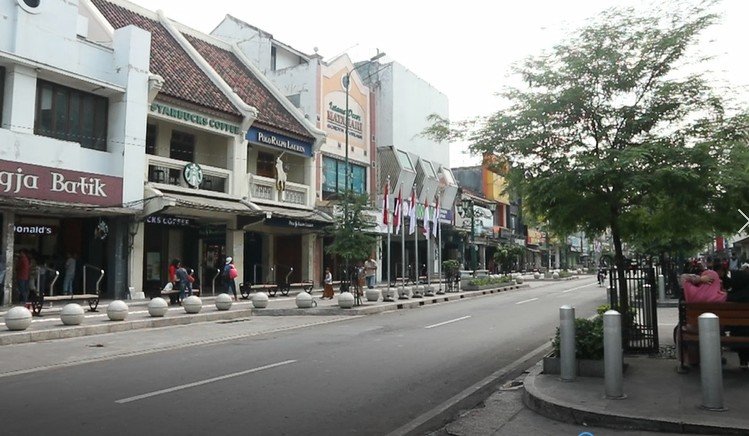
<point x="229" y="163"/>
<point x="72" y="126"/>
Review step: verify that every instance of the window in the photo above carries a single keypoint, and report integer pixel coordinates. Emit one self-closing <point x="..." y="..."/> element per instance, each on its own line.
<point x="405" y="161"/>
<point x="71" y="115"/>
<point x="182" y="146"/>
<point x="2" y="91"/>
<point x="334" y="172"/>
<point x="266" y="164"/>
<point x="150" y="138"/>
<point x="295" y="99"/>
<point x="273" y="59"/>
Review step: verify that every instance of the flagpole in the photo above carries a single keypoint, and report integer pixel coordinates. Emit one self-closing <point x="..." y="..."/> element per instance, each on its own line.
<point x="403" y="295"/>
<point x="417" y="292"/>
<point x="386" y="297"/>
<point x="428" y="290"/>
<point x="439" y="250"/>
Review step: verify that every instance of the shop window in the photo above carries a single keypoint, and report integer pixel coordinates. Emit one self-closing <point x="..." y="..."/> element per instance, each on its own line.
<point x="182" y="146"/>
<point x="334" y="172"/>
<point x="71" y="115"/>
<point x="150" y="138"/>
<point x="266" y="164"/>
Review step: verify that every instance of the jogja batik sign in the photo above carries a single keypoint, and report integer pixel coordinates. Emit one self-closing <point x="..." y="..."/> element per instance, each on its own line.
<point x="22" y="180"/>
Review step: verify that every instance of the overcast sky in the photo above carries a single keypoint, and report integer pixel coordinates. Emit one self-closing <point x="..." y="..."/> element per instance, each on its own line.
<point x="464" y="49"/>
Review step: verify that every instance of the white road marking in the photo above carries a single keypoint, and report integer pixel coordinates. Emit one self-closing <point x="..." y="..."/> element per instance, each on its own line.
<point x="579" y="287"/>
<point x="526" y="301"/>
<point x="447" y="322"/>
<point x="203" y="382"/>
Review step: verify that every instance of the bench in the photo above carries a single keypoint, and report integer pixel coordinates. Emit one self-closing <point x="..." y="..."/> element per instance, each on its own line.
<point x="246" y="288"/>
<point x="285" y="288"/>
<point x="37" y="302"/>
<point x="173" y="294"/>
<point x="729" y="315"/>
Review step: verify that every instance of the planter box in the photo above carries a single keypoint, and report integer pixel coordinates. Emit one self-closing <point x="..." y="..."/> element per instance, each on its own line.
<point x="585" y="367"/>
<point x="466" y="287"/>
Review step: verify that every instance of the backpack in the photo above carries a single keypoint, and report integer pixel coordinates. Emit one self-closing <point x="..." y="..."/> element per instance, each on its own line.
<point x="233" y="273"/>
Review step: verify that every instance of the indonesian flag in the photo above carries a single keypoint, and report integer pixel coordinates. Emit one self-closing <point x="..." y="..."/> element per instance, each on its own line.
<point x="436" y="217"/>
<point x="412" y="213"/>
<point x="398" y="211"/>
<point x="426" y="218"/>
<point x="385" y="201"/>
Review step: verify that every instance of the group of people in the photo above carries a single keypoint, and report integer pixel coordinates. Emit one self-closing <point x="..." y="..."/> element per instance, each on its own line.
<point x="27" y="266"/>
<point x="364" y="274"/>
<point x="715" y="281"/>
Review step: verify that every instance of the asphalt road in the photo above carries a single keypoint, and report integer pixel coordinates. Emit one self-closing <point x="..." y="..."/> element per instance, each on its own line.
<point x="369" y="375"/>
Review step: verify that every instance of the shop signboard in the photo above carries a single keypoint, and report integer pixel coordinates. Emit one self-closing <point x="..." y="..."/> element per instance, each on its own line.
<point x="171" y="221"/>
<point x="294" y="223"/>
<point x="260" y="136"/>
<point x="22" y="180"/>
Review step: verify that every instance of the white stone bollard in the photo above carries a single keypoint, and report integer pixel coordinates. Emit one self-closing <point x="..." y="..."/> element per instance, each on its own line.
<point x="555" y="275"/>
<point x="303" y="300"/>
<point x="18" y="318"/>
<point x="372" y="294"/>
<point x="117" y="310"/>
<point x="223" y="301"/>
<point x="192" y="304"/>
<point x="567" y="343"/>
<point x="536" y="275"/>
<point x="260" y="300"/>
<point x="613" y="354"/>
<point x="158" y="307"/>
<point x="345" y="300"/>
<point x="519" y="279"/>
<point x="71" y="314"/>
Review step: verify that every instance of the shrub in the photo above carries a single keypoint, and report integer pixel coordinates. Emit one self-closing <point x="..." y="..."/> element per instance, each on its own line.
<point x="481" y="281"/>
<point x="588" y="338"/>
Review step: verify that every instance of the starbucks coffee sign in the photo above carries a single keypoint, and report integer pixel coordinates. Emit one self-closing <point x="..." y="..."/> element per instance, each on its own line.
<point x="193" y="175"/>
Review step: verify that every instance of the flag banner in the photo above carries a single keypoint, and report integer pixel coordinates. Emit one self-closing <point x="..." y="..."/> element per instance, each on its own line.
<point x="398" y="211"/>
<point x="436" y="217"/>
<point x="385" y="201"/>
<point x="427" y="218"/>
<point x="412" y="213"/>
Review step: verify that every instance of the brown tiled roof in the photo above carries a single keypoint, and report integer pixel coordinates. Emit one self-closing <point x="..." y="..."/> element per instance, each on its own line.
<point x="183" y="79"/>
<point x="249" y="87"/>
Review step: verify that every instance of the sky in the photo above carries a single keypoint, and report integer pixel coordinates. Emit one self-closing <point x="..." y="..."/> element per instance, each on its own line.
<point x="464" y="49"/>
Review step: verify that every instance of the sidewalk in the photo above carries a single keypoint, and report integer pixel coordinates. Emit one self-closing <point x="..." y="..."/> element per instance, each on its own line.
<point x="657" y="397"/>
<point x="48" y="326"/>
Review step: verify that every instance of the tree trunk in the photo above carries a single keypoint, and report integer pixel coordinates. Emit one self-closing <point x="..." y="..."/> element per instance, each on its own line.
<point x="622" y="291"/>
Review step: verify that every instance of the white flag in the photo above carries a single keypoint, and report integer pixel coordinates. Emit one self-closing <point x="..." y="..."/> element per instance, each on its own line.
<point x="436" y="217"/>
<point x="412" y="213"/>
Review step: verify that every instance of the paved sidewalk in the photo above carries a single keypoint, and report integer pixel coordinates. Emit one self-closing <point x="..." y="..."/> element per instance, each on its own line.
<point x="48" y="326"/>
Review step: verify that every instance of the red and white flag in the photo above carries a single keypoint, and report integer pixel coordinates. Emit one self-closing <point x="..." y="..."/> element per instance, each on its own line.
<point x="412" y="213"/>
<point x="427" y="218"/>
<point x="385" y="201"/>
<point x="436" y="217"/>
<point x="398" y="212"/>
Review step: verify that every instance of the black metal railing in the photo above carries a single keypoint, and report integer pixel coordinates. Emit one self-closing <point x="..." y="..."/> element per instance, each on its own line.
<point x="634" y="295"/>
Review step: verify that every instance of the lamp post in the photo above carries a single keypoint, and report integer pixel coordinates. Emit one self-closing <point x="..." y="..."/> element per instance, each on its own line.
<point x="466" y="209"/>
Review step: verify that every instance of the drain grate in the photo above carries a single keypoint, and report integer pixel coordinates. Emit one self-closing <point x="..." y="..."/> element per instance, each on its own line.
<point x="232" y="321"/>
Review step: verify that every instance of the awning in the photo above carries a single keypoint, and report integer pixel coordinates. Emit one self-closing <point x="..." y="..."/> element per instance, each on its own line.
<point x="276" y="216"/>
<point x="187" y="203"/>
<point x="56" y="208"/>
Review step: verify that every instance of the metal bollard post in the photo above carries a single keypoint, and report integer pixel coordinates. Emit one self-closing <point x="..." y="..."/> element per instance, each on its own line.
<point x="567" y="343"/>
<point x="711" y="373"/>
<point x="613" y="354"/>
<point x="661" y="288"/>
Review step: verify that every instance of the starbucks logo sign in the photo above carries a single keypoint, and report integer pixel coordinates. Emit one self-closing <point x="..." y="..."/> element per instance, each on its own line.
<point x="193" y="175"/>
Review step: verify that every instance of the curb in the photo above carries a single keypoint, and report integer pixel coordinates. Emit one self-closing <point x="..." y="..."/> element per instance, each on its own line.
<point x="578" y="414"/>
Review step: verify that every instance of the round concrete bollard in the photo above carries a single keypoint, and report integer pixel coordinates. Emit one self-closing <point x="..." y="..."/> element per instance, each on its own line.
<point x="536" y="275"/>
<point x="117" y="310"/>
<point x="192" y="304"/>
<point x="260" y="300"/>
<point x="157" y="307"/>
<point x="303" y="300"/>
<point x="345" y="300"/>
<point x="555" y="276"/>
<point x="18" y="318"/>
<point x="71" y="314"/>
<point x="519" y="279"/>
<point x="372" y="294"/>
<point x="223" y="302"/>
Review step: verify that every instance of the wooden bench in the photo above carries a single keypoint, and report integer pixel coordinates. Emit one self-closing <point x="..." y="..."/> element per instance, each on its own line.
<point x="246" y="288"/>
<point x="37" y="302"/>
<point x="729" y="315"/>
<point x="173" y="294"/>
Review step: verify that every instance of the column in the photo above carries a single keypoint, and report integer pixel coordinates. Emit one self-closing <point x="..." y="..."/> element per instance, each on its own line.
<point x="135" y="257"/>
<point x="18" y="108"/>
<point x="308" y="257"/>
<point x="9" y="224"/>
<point x="270" y="242"/>
<point x="235" y="249"/>
<point x="482" y="257"/>
<point x="557" y="257"/>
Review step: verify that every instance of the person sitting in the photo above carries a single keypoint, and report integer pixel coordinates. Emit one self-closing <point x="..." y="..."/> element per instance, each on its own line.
<point x="704" y="287"/>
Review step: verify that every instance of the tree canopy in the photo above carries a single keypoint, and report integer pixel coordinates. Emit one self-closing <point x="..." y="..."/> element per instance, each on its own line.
<point x="353" y="237"/>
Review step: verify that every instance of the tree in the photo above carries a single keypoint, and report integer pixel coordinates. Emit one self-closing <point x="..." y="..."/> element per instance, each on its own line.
<point x="353" y="236"/>
<point x="507" y="256"/>
<point x="610" y="132"/>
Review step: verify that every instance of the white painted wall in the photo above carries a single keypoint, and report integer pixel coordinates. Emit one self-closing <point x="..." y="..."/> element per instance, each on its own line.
<point x="404" y="101"/>
<point x="302" y="80"/>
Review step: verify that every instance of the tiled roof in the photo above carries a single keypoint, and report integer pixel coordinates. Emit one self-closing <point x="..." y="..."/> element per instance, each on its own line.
<point x="183" y="79"/>
<point x="248" y="87"/>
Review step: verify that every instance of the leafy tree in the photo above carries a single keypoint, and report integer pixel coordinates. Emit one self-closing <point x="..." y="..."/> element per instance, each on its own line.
<point x="506" y="255"/>
<point x="353" y="236"/>
<point x="609" y="132"/>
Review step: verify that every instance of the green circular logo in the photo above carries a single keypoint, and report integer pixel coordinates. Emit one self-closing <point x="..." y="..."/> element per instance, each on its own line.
<point x="193" y="175"/>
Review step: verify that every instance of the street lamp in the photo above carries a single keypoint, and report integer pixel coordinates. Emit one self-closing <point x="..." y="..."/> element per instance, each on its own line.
<point x="466" y="211"/>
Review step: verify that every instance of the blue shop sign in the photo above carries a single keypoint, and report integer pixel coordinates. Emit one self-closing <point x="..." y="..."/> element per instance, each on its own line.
<point x="261" y="136"/>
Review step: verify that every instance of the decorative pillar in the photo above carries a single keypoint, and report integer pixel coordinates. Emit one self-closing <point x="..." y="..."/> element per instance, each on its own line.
<point x="482" y="256"/>
<point x="235" y="249"/>
<point x="308" y="257"/>
<point x="9" y="224"/>
<point x="137" y="232"/>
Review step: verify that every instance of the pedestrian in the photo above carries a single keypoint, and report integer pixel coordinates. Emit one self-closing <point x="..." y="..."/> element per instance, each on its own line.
<point x="230" y="273"/>
<point x="327" y="285"/>
<point x="67" y="283"/>
<point x="734" y="263"/>
<point x="370" y="271"/>
<point x="183" y="278"/>
<point x="23" y="274"/>
<point x="173" y="273"/>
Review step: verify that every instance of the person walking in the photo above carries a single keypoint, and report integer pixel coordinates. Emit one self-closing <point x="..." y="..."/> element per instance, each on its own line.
<point x="183" y="279"/>
<point x="327" y="285"/>
<point x="67" y="283"/>
<point x="230" y="273"/>
<point x="23" y="274"/>
<point x="370" y="270"/>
